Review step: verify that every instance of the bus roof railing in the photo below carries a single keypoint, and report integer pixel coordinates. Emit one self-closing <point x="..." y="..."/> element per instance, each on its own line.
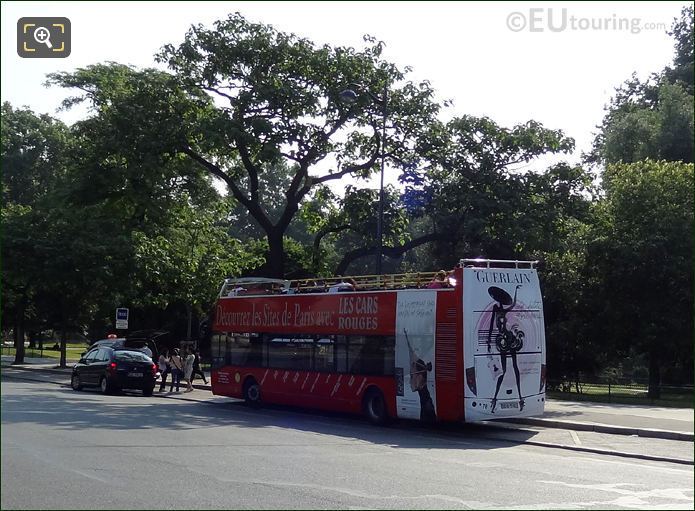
<point x="253" y="285"/>
<point x="264" y="286"/>
<point x="497" y="263"/>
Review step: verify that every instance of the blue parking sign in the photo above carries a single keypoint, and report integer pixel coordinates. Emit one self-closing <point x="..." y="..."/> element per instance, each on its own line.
<point x="122" y="314"/>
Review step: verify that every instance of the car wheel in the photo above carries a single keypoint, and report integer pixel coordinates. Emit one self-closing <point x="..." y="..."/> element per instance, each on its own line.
<point x="375" y="407"/>
<point x="106" y="387"/>
<point x="252" y="392"/>
<point x="75" y="382"/>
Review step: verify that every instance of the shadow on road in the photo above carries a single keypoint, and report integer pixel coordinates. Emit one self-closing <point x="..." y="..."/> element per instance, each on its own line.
<point x="62" y="408"/>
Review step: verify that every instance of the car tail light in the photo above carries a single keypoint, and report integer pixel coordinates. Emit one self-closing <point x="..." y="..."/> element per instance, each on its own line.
<point x="543" y="373"/>
<point x="112" y="367"/>
<point x="470" y="380"/>
<point x="154" y="369"/>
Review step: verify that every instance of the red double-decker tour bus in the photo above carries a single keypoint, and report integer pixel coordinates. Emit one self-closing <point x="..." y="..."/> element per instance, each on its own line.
<point x="467" y="345"/>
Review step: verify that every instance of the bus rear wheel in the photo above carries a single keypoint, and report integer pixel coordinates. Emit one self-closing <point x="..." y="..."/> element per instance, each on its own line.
<point x="252" y="392"/>
<point x="375" y="407"/>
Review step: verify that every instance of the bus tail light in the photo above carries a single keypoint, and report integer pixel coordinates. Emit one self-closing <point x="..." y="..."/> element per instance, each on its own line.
<point x="470" y="380"/>
<point x="543" y="373"/>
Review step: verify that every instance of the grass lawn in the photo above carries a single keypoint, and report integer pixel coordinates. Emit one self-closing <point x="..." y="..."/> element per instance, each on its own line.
<point x="73" y="352"/>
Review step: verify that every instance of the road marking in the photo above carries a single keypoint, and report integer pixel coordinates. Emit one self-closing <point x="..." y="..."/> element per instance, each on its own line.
<point x="89" y="476"/>
<point x="575" y="437"/>
<point x="631" y="494"/>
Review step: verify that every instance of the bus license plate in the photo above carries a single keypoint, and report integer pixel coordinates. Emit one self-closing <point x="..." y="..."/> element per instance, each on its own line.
<point x="509" y="405"/>
<point x="135" y="375"/>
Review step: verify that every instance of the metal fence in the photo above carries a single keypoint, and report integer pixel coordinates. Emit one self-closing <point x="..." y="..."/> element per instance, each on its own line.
<point x="616" y="389"/>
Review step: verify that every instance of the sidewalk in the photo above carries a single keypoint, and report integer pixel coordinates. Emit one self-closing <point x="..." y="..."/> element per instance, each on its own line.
<point x="643" y="421"/>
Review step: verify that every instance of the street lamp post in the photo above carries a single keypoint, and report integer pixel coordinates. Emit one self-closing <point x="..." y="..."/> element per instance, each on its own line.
<point x="349" y="95"/>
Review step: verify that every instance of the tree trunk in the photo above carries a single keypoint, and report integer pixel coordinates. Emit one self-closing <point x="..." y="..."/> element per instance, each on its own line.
<point x="19" y="332"/>
<point x="63" y="343"/>
<point x="189" y="311"/>
<point x="654" y="391"/>
<point x="276" y="254"/>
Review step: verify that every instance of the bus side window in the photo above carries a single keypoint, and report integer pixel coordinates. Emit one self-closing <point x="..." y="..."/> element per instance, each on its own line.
<point x="230" y="343"/>
<point x="341" y="353"/>
<point x="238" y="349"/>
<point x="373" y="355"/>
<point x="356" y="359"/>
<point x="323" y="354"/>
<point x="255" y="354"/>
<point x="217" y="349"/>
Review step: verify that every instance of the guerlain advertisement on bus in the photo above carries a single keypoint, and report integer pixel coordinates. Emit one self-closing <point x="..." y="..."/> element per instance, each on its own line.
<point x="415" y="326"/>
<point x="504" y="342"/>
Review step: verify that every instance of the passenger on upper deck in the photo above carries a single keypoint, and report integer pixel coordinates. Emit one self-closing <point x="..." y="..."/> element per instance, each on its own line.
<point x="236" y="291"/>
<point x="441" y="280"/>
<point x="342" y="286"/>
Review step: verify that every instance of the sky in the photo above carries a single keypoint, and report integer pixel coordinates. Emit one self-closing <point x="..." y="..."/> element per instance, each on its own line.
<point x="554" y="62"/>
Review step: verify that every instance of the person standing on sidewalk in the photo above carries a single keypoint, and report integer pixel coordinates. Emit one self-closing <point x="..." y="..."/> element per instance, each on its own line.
<point x="164" y="369"/>
<point x="176" y="370"/>
<point x="188" y="369"/>
<point x="197" y="369"/>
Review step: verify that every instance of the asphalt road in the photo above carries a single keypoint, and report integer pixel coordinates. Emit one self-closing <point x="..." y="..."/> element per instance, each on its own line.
<point x="68" y="450"/>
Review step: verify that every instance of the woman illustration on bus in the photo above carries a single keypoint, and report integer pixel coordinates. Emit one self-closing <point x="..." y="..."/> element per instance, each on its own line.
<point x="418" y="382"/>
<point x="507" y="341"/>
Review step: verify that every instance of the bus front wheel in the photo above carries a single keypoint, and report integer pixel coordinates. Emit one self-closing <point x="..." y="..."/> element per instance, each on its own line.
<point x="375" y="407"/>
<point x="252" y="392"/>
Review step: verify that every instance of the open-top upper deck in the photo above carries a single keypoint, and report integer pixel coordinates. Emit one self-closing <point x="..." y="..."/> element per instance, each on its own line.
<point x="258" y="286"/>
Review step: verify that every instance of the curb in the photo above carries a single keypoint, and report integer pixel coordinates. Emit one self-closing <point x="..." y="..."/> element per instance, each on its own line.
<point x="56" y="370"/>
<point x="606" y="452"/>
<point x="67" y="371"/>
<point x="606" y="428"/>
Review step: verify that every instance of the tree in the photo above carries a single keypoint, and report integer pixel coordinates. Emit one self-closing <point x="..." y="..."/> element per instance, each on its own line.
<point x="347" y="221"/>
<point x="469" y="192"/>
<point x="188" y="259"/>
<point x="33" y="162"/>
<point x="642" y="249"/>
<point x="682" y="32"/>
<point x="660" y="129"/>
<point x="653" y="119"/>
<point x="276" y="99"/>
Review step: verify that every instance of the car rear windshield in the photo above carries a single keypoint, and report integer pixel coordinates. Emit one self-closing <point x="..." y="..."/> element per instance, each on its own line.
<point x="131" y="356"/>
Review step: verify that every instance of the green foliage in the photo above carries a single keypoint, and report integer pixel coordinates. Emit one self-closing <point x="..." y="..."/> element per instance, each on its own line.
<point x="643" y="250"/>
<point x="33" y="154"/>
<point x="188" y="258"/>
<point x="653" y="119"/>
<point x="634" y="132"/>
<point x="120" y="209"/>
<point x="33" y="149"/>
<point x="473" y="197"/>
<point x="276" y="113"/>
<point x="682" y="32"/>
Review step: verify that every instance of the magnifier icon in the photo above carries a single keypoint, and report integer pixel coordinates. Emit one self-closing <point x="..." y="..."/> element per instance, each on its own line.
<point x="43" y="36"/>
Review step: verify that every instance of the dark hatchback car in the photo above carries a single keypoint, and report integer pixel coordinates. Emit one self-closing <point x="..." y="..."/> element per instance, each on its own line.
<point x="114" y="369"/>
